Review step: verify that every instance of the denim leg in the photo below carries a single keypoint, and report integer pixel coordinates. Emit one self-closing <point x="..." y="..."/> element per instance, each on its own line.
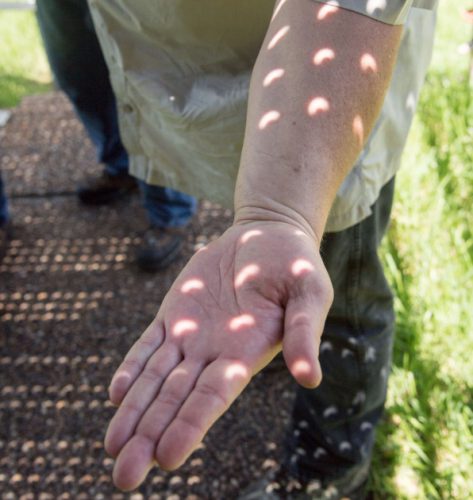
<point x="4" y="216"/>
<point x="79" y="68"/>
<point x="167" y="207"/>
<point x="333" y="426"/>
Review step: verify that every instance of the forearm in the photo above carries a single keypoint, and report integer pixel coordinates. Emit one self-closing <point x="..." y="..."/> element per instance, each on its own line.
<point x="316" y="91"/>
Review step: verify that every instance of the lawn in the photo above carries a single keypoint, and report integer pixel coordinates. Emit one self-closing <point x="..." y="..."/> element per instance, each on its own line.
<point x="24" y="68"/>
<point x="425" y="444"/>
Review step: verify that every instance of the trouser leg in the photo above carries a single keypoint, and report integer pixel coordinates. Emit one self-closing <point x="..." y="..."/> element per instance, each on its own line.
<point x="333" y="426"/>
<point x="79" y="68"/>
<point x="3" y="203"/>
<point x="167" y="207"/>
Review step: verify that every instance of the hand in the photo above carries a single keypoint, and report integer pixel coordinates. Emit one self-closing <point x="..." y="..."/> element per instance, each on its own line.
<point x="260" y="287"/>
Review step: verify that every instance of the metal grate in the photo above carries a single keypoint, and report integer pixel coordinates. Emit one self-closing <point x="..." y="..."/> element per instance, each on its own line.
<point x="71" y="304"/>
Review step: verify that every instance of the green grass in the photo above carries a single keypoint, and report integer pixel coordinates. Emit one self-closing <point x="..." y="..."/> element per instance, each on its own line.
<point x="425" y="444"/>
<point x="23" y="65"/>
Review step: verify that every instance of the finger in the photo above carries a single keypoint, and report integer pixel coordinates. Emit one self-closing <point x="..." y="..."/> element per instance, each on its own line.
<point x="134" y="463"/>
<point x="140" y="396"/>
<point x="216" y="389"/>
<point x="135" y="360"/>
<point x="174" y="392"/>
<point x="137" y="456"/>
<point x="303" y="325"/>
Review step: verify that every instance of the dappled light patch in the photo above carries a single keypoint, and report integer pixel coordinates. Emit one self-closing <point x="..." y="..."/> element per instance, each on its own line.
<point x="250" y="234"/>
<point x="240" y="322"/>
<point x="268" y="118"/>
<point x="191" y="285"/>
<point x="278" y="37"/>
<point x="68" y="255"/>
<point x="236" y="371"/>
<point x="318" y="105"/>
<point x="368" y="63"/>
<point x="411" y="102"/>
<point x="272" y="76"/>
<point x="373" y="5"/>
<point x="301" y="266"/>
<point x="184" y="327"/>
<point x="50" y="306"/>
<point x="323" y="55"/>
<point x="178" y="372"/>
<point x="326" y="346"/>
<point x="358" y="129"/>
<point x="248" y="272"/>
<point x="300" y="367"/>
<point x="327" y="10"/>
<point x="278" y="8"/>
<point x="407" y="482"/>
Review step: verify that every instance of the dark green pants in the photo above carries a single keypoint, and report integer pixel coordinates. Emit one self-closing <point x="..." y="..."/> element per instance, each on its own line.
<point x="333" y="426"/>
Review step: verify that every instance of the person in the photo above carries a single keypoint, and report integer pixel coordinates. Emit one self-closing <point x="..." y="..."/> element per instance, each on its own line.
<point x="80" y="71"/>
<point x="333" y="89"/>
<point x="5" y="224"/>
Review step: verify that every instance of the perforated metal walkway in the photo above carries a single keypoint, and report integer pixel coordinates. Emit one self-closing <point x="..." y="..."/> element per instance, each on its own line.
<point x="71" y="303"/>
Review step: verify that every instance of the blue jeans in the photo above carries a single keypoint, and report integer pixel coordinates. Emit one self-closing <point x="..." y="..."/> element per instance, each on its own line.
<point x="167" y="207"/>
<point x="3" y="203"/>
<point x="80" y="70"/>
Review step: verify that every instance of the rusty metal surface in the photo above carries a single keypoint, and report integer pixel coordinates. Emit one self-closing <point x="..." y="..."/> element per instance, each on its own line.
<point x="71" y="303"/>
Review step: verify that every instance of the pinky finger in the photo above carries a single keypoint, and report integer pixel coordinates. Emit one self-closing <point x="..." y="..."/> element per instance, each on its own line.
<point x="135" y="360"/>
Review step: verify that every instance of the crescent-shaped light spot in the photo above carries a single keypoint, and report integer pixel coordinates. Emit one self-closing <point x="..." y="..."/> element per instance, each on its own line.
<point x="273" y="75"/>
<point x="278" y="37"/>
<point x="250" y="234"/>
<point x="239" y="322"/>
<point x="372" y="5"/>
<point x="278" y="8"/>
<point x="268" y="118"/>
<point x="184" y="326"/>
<point x="323" y="55"/>
<point x="301" y="367"/>
<point x="178" y="372"/>
<point x="318" y="105"/>
<point x="249" y="271"/>
<point x="327" y="10"/>
<point x="301" y="266"/>
<point x="236" y="370"/>
<point x="193" y="284"/>
<point x="368" y="63"/>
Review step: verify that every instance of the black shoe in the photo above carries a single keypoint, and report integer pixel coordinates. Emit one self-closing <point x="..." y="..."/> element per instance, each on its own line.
<point x="160" y="247"/>
<point x="106" y="189"/>
<point x="5" y="237"/>
<point x="278" y="485"/>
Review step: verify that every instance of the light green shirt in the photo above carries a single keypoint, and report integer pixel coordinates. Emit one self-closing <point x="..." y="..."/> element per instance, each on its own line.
<point x="181" y="69"/>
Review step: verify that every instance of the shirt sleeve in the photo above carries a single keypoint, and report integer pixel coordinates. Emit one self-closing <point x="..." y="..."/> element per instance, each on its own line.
<point x="386" y="11"/>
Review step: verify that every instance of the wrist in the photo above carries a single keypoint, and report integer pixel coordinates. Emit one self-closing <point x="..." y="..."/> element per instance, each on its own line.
<point x="273" y="211"/>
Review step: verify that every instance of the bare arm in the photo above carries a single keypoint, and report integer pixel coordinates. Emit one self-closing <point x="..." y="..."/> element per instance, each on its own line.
<point x="316" y="91"/>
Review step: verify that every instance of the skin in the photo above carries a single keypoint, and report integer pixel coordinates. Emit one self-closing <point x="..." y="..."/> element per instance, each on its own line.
<point x="262" y="286"/>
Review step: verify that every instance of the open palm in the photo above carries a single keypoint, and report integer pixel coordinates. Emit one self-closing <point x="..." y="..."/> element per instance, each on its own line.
<point x="260" y="287"/>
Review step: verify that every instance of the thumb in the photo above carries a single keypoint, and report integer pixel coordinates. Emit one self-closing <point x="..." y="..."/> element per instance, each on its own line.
<point x="303" y="325"/>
